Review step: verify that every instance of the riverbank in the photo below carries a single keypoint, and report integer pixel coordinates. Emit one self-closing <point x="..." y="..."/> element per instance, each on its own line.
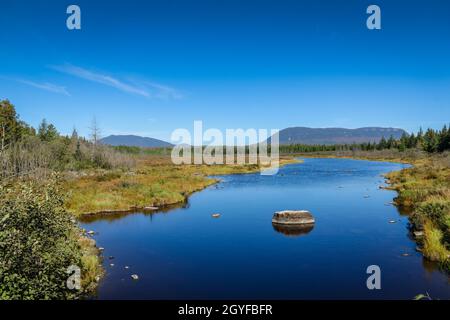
<point x="424" y="190"/>
<point x="154" y="183"/>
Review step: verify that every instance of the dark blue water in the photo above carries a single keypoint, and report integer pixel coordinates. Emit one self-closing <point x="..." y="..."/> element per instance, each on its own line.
<point x="184" y="253"/>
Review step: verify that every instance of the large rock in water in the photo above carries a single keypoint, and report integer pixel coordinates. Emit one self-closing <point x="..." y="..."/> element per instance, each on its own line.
<point x="293" y="217"/>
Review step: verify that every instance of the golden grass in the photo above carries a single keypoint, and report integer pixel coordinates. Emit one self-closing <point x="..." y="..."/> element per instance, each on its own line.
<point x="154" y="182"/>
<point x="433" y="247"/>
<point x="91" y="268"/>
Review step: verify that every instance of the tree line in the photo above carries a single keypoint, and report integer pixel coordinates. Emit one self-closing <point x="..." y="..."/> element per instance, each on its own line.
<point x="25" y="150"/>
<point x="431" y="141"/>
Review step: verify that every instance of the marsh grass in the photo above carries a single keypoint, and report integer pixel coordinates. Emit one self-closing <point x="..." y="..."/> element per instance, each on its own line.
<point x="91" y="268"/>
<point x="423" y="189"/>
<point x="154" y="182"/>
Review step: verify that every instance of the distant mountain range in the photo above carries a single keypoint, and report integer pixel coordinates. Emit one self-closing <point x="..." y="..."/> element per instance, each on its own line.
<point x="294" y="135"/>
<point x="303" y="135"/>
<point x="134" y="141"/>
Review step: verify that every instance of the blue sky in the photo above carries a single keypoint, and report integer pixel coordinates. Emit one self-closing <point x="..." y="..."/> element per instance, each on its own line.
<point x="149" y="67"/>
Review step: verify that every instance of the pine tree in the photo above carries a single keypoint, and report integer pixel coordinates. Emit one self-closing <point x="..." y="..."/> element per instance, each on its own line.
<point x="74" y="136"/>
<point x="382" y="144"/>
<point x="47" y="132"/>
<point x="10" y="128"/>
<point x="78" y="155"/>
<point x="419" y="139"/>
<point x="430" y="141"/>
<point x="412" y="142"/>
<point x="444" y="139"/>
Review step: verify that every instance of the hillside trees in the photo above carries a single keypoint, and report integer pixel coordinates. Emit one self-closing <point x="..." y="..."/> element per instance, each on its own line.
<point x="25" y="152"/>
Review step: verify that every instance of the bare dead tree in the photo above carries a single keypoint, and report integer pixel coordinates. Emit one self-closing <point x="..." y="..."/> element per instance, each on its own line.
<point x="95" y="135"/>
<point x="3" y="137"/>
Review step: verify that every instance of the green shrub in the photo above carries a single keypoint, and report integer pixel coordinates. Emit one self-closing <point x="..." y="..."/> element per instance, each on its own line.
<point x="38" y="242"/>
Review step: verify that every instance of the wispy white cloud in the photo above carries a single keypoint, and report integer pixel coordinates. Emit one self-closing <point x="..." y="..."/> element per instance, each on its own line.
<point x="143" y="88"/>
<point x="45" y="86"/>
<point x="100" y="78"/>
<point x="162" y="91"/>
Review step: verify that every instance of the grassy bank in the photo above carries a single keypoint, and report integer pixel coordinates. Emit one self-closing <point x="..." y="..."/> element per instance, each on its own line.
<point x="424" y="189"/>
<point x="154" y="182"/>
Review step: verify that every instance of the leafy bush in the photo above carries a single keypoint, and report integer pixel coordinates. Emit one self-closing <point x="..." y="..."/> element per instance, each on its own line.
<point x="39" y="240"/>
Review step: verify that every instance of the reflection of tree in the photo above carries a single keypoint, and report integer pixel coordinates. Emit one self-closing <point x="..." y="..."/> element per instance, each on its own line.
<point x="112" y="216"/>
<point x="293" y="230"/>
<point x="430" y="266"/>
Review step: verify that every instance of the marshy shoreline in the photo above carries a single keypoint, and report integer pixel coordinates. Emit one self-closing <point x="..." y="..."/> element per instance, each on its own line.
<point x="423" y="189"/>
<point x="189" y="179"/>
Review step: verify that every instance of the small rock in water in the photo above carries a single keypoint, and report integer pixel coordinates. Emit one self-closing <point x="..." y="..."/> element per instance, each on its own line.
<point x="135" y="277"/>
<point x="215" y="215"/>
<point x="419" y="249"/>
<point x="111" y="264"/>
<point x="405" y="254"/>
<point x="392" y="221"/>
<point x="418" y="234"/>
<point x="90" y="232"/>
<point x="101" y="248"/>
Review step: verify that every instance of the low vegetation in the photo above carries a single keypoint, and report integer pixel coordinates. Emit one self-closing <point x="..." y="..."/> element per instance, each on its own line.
<point x="426" y="189"/>
<point x="39" y="240"/>
<point x="154" y="182"/>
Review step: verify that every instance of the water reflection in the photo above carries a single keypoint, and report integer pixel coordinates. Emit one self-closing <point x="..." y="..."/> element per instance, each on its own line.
<point x="293" y="230"/>
<point x="113" y="216"/>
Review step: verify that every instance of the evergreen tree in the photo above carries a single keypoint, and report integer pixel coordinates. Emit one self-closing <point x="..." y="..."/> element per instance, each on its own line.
<point x="419" y="139"/>
<point x="382" y="144"/>
<point x="390" y="143"/>
<point x="47" y="132"/>
<point x="10" y="126"/>
<point x="74" y="136"/>
<point x="430" y="141"/>
<point x="412" y="142"/>
<point x="444" y="139"/>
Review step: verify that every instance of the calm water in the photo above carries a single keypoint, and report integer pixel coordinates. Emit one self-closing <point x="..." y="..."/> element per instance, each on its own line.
<point x="185" y="253"/>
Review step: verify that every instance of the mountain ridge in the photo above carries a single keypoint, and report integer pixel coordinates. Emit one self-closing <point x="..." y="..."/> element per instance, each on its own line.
<point x="291" y="135"/>
<point x="134" y="141"/>
<point x="328" y="136"/>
